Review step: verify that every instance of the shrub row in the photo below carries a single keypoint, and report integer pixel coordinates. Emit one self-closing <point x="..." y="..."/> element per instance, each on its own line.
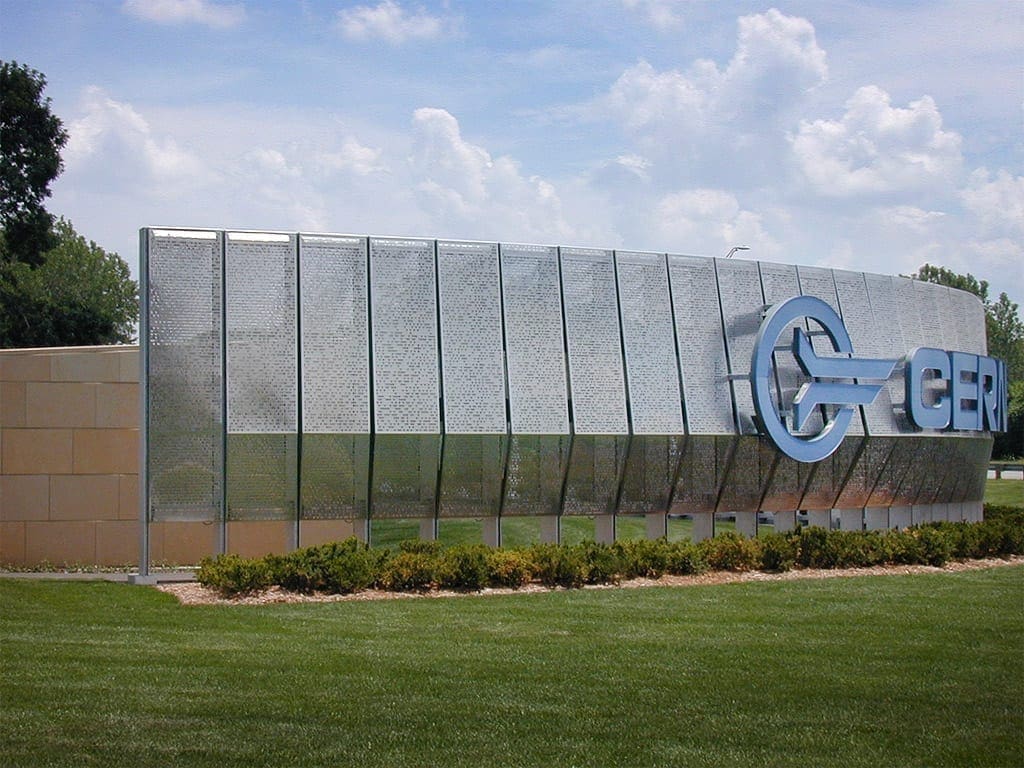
<point x="351" y="566"/>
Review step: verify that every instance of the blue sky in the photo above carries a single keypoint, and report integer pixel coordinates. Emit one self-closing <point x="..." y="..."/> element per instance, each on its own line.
<point x="874" y="136"/>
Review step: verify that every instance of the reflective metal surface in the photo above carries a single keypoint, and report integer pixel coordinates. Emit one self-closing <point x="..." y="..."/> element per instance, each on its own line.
<point x="408" y="378"/>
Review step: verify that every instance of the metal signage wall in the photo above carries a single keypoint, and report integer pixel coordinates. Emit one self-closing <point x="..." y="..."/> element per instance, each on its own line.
<point x="305" y="377"/>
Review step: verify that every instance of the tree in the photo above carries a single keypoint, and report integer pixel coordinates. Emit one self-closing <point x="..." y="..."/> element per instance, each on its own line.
<point x="1005" y="332"/>
<point x="31" y="138"/>
<point x="79" y="295"/>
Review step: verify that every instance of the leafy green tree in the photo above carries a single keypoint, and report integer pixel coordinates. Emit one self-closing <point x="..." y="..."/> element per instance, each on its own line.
<point x="31" y="138"/>
<point x="79" y="295"/>
<point x="1005" y="332"/>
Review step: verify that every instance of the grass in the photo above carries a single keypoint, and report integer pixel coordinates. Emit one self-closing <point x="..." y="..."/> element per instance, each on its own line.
<point x="1010" y="492"/>
<point x="909" y="671"/>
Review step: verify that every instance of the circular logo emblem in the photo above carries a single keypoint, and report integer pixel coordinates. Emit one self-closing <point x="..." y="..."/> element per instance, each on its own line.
<point x="833" y="380"/>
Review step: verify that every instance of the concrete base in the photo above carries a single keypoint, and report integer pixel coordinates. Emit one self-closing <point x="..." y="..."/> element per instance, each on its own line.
<point x="876" y="518"/>
<point x="314" y="532"/>
<point x="785" y="521"/>
<point x="851" y="519"/>
<point x="149" y="580"/>
<point x="491" y="531"/>
<point x="822" y="518"/>
<point x="746" y="524"/>
<point x="549" y="529"/>
<point x="974" y="511"/>
<point x="657" y="525"/>
<point x="428" y="528"/>
<point x="703" y="525"/>
<point x="901" y="517"/>
<point x="604" y="529"/>
<point x="920" y="513"/>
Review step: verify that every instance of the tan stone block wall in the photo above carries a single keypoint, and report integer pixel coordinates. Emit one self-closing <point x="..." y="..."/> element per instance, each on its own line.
<point x="69" y="445"/>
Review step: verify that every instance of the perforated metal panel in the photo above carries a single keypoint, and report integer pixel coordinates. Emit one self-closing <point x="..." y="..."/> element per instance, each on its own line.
<point x="739" y="290"/>
<point x="747" y="475"/>
<point x="404" y="315"/>
<point x="701" y="346"/>
<point x="335" y="335"/>
<point x="472" y="351"/>
<point x="649" y="340"/>
<point x="405" y="475"/>
<point x="595" y="347"/>
<point x="262" y="375"/>
<point x="534" y="345"/>
<point x="969" y="320"/>
<point x="184" y="283"/>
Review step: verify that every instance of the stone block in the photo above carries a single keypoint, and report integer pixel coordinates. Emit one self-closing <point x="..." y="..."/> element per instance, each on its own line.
<point x="315" y="532"/>
<point x="703" y="526"/>
<point x="12" y="404"/>
<point x="117" y="542"/>
<point x="63" y="542"/>
<point x="83" y="497"/>
<point x="255" y="538"/>
<point x="656" y="525"/>
<point x="24" y="497"/>
<point x="604" y="529"/>
<point x="106" y="451"/>
<point x="181" y="543"/>
<point x="117" y="406"/>
<point x="12" y="543"/>
<point x="128" y="360"/>
<point x="746" y="524"/>
<point x="128" y="501"/>
<point x="32" y="366"/>
<point x="785" y="521"/>
<point x="60" y="404"/>
<point x="102" y="364"/>
<point x="37" y="451"/>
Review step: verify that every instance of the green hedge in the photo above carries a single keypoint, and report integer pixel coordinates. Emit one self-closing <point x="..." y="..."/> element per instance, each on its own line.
<point x="351" y="566"/>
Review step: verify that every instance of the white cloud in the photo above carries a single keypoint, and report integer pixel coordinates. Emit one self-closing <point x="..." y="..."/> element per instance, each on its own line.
<point x="998" y="204"/>
<point x="711" y="221"/>
<point x="722" y="125"/>
<point x="355" y="158"/>
<point x="186" y="12"/>
<point x="661" y="14"/>
<point x="113" y="141"/>
<point x="391" y="22"/>
<point x="877" y="148"/>
<point x="461" y="186"/>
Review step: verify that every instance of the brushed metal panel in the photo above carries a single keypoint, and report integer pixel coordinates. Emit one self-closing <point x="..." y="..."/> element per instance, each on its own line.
<point x="406" y="390"/>
<point x="335" y="334"/>
<point x="828" y="475"/>
<point x="535" y="474"/>
<point x="535" y="351"/>
<point x="185" y="420"/>
<point x="863" y="476"/>
<point x="652" y="370"/>
<point x="596" y="463"/>
<point x="596" y="378"/>
<point x="888" y="336"/>
<point x="651" y="469"/>
<point x="471" y="471"/>
<point x="748" y="475"/>
<point x="405" y="475"/>
<point x="701" y="473"/>
<point x="701" y="346"/>
<point x="739" y="290"/>
<point x="261" y="476"/>
<point x="335" y="476"/>
<point x="908" y="312"/>
<point x="472" y="349"/>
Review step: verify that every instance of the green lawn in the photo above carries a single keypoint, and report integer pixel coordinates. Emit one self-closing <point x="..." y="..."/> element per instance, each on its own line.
<point x="893" y="671"/>
<point x="1009" y="492"/>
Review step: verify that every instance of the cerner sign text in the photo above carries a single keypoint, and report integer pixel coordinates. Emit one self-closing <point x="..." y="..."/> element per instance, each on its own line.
<point x="954" y="390"/>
